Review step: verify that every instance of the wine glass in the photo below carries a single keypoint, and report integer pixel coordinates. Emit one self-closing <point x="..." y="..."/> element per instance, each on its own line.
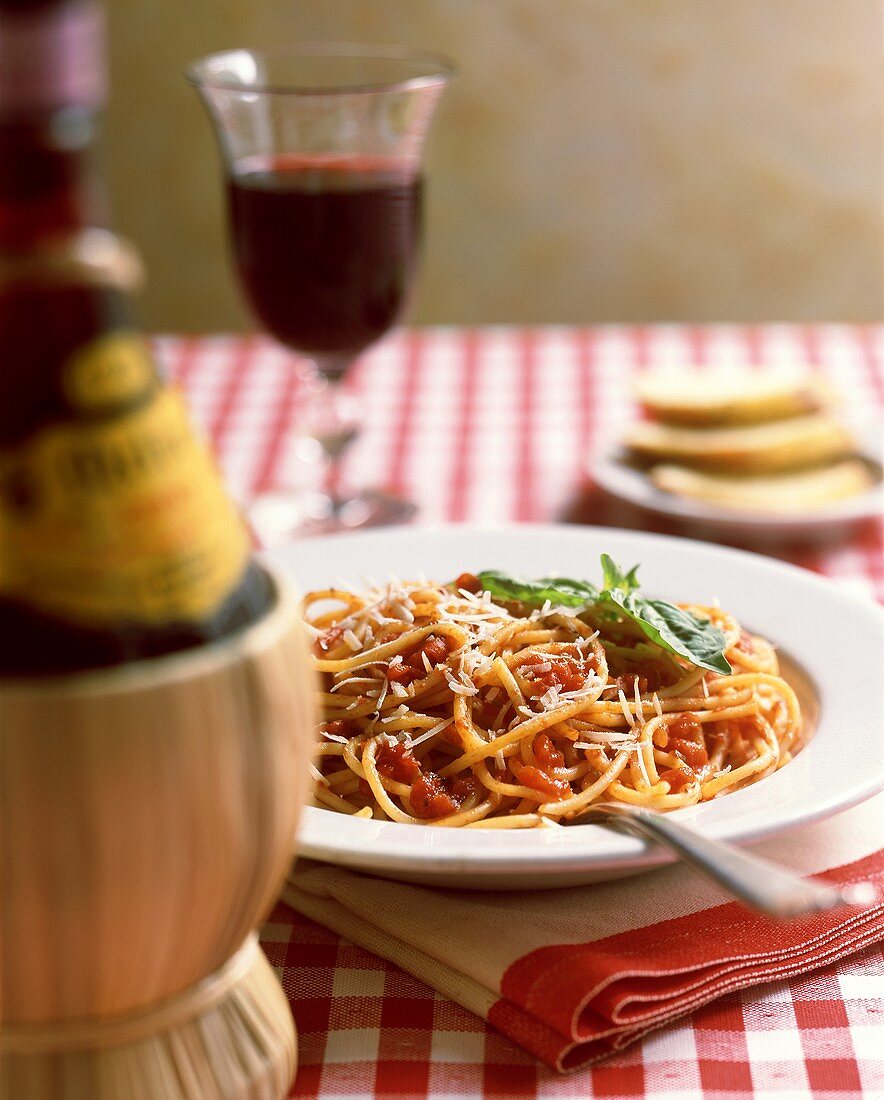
<point x="322" y="150"/>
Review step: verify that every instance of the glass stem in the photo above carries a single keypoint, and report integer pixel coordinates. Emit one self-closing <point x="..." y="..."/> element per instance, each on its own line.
<point x="331" y="419"/>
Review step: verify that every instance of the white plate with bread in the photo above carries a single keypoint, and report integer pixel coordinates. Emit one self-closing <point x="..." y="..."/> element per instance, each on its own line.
<point x="764" y="453"/>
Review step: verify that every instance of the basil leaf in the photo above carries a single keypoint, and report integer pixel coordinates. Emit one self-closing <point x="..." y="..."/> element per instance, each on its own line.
<point x="697" y="640"/>
<point x="676" y="631"/>
<point x="614" y="577"/>
<point x="561" y="591"/>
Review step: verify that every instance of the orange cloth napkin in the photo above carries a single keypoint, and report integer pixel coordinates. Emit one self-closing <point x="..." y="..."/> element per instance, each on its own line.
<point x="573" y="975"/>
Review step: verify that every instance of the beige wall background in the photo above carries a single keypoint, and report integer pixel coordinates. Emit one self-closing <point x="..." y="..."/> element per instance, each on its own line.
<point x="596" y="160"/>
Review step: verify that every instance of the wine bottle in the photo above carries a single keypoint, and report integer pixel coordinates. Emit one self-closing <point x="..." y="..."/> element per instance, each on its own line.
<point x="117" y="539"/>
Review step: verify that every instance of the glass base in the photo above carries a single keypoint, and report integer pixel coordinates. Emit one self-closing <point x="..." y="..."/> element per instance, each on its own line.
<point x="280" y="516"/>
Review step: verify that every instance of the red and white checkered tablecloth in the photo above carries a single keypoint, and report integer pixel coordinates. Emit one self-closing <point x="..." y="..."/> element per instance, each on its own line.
<point x="495" y="424"/>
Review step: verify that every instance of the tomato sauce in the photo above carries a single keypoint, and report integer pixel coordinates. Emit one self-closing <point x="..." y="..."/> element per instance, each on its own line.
<point x="485" y="711"/>
<point x="412" y="666"/>
<point x="646" y="682"/>
<point x="686" y="726"/>
<point x="691" y="752"/>
<point x="686" y="740"/>
<point x="565" y="672"/>
<point x="529" y="776"/>
<point x="337" y="727"/>
<point x="397" y="762"/>
<point x="433" y="797"/>
<point x="429" y="797"/>
<point x="677" y="778"/>
<point x="546" y="754"/>
<point x="743" y="733"/>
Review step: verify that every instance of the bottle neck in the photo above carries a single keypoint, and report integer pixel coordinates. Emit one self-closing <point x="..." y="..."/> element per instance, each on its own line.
<point x="49" y="190"/>
<point x="51" y="93"/>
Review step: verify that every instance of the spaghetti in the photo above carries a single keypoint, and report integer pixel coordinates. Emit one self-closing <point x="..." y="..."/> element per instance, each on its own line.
<point x="444" y="705"/>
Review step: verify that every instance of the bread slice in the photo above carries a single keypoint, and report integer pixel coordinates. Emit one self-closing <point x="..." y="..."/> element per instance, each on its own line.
<point x="785" y="494"/>
<point x="758" y="449"/>
<point x="719" y="398"/>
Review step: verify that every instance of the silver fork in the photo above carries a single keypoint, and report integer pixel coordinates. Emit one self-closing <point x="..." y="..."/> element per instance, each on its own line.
<point x="757" y="882"/>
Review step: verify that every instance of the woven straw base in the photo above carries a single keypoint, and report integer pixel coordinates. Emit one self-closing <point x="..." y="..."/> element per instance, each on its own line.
<point x="231" y="1038"/>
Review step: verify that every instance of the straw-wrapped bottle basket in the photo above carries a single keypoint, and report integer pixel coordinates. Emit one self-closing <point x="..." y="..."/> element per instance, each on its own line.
<point x="147" y="816"/>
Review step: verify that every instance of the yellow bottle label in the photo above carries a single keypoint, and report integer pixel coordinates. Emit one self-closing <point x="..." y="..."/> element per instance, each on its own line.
<point x="118" y="517"/>
<point x="108" y="373"/>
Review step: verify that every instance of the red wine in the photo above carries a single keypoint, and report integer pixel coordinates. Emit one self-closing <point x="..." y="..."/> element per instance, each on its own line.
<point x="326" y="247"/>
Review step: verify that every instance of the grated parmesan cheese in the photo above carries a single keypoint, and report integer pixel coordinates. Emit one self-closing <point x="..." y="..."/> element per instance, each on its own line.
<point x="624" y="706"/>
<point x="351" y="680"/>
<point x="619" y="738"/>
<point x="335" y="737"/>
<point x="401" y="611"/>
<point x="461" y="689"/>
<point x="463" y="686"/>
<point x="550" y="699"/>
<point x="640" y="760"/>
<point x="427" y="734"/>
<point x="639" y="709"/>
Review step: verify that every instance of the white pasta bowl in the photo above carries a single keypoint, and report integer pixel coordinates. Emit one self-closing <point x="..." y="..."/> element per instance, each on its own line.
<point x="831" y="645"/>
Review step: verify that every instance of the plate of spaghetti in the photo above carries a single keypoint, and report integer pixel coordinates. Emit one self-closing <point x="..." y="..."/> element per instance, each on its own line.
<point x="478" y="689"/>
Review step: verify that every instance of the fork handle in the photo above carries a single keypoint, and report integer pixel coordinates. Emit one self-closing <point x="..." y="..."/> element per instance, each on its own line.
<point x="756" y="881"/>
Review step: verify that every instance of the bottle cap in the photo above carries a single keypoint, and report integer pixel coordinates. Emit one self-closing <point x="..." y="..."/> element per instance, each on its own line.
<point x="52" y="56"/>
